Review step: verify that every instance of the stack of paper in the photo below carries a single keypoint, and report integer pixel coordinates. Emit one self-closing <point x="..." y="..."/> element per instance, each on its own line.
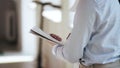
<point x="37" y="31"/>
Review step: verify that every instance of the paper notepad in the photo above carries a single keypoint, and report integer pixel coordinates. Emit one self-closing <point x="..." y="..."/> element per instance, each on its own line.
<point x="37" y="31"/>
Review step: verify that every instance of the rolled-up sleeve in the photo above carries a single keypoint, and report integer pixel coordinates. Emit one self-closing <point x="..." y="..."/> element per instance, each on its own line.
<point x="73" y="48"/>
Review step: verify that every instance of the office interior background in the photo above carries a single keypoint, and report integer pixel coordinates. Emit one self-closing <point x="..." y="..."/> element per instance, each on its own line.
<point x="18" y="47"/>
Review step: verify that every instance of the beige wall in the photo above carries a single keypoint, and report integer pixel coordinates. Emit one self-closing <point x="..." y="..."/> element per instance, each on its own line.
<point x="49" y="60"/>
<point x="62" y="29"/>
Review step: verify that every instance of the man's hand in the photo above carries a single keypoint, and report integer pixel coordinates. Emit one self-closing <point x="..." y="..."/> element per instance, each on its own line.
<point x="68" y="35"/>
<point x="56" y="37"/>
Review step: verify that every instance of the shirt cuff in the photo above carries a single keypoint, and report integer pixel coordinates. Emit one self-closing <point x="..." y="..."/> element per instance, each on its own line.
<point x="54" y="49"/>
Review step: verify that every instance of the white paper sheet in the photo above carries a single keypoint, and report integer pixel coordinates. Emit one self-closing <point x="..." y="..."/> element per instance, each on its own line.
<point x="37" y="31"/>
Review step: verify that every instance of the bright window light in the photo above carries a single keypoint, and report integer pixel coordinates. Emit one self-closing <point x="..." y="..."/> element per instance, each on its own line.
<point x="14" y="59"/>
<point x="53" y="15"/>
<point x="32" y="5"/>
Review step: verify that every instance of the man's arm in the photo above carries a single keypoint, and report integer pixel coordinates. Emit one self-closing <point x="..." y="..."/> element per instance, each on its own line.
<point x="73" y="49"/>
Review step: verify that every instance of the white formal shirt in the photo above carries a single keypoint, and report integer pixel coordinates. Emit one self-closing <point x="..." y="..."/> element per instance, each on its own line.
<point x="95" y="37"/>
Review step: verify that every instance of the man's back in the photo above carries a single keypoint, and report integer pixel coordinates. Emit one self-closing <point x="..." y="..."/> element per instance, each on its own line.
<point x="104" y="44"/>
<point x="95" y="38"/>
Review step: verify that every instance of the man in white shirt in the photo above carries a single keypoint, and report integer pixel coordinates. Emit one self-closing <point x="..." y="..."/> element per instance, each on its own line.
<point x="95" y="38"/>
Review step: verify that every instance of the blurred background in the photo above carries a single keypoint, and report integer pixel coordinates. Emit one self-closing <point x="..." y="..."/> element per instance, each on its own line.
<point x="19" y="48"/>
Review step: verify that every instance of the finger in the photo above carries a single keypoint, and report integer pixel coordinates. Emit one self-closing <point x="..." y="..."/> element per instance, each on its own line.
<point x="68" y="35"/>
<point x="56" y="37"/>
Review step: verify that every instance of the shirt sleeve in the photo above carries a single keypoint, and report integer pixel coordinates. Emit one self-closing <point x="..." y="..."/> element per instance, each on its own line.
<point x="73" y="48"/>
